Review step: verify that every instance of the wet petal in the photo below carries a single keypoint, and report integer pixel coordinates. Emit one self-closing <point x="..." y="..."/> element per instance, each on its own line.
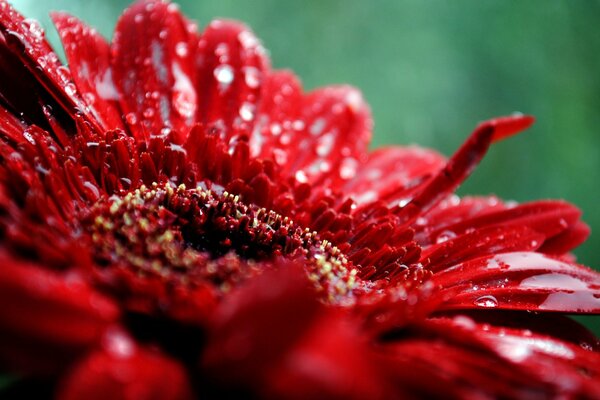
<point x="520" y="281"/>
<point x="330" y="137"/>
<point x="152" y="65"/>
<point x="281" y="101"/>
<point x="88" y="55"/>
<point x="232" y="64"/>
<point x="389" y="172"/>
<point x="25" y="39"/>
<point x="462" y="163"/>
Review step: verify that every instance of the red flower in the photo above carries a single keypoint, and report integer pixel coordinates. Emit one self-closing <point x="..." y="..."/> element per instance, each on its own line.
<point x="165" y="198"/>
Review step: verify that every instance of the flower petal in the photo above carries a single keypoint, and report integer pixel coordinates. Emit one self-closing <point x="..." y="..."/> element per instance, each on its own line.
<point x="88" y="55"/>
<point x="389" y="172"/>
<point x="256" y="326"/>
<point x="48" y="318"/>
<point x="461" y="164"/>
<point x="122" y="370"/>
<point x="152" y="66"/>
<point x="486" y="361"/>
<point x="330" y="137"/>
<point x="279" y="107"/>
<point x="547" y="217"/>
<point x="232" y="63"/>
<point x="519" y="281"/>
<point x="25" y="39"/>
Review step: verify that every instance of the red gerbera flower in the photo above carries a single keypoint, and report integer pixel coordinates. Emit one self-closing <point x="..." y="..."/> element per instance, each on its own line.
<point x="179" y="220"/>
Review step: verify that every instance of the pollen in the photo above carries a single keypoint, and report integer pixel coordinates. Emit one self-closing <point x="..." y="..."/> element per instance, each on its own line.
<point x="198" y="235"/>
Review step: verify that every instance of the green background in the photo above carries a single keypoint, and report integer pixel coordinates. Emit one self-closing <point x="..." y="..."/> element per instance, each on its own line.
<point x="432" y="69"/>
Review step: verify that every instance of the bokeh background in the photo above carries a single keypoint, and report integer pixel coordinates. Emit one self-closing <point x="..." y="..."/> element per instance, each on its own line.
<point x="432" y="69"/>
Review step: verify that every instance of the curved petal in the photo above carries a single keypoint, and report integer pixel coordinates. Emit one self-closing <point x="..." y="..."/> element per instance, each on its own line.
<point x="389" y="172"/>
<point x="88" y="55"/>
<point x="330" y="138"/>
<point x="49" y="318"/>
<point x="450" y="250"/>
<point x="520" y="281"/>
<point x="486" y="361"/>
<point x="231" y="65"/>
<point x="256" y="326"/>
<point x="25" y="39"/>
<point x="461" y="164"/>
<point x="279" y="107"/>
<point x="122" y="370"/>
<point x="547" y="217"/>
<point x="152" y="65"/>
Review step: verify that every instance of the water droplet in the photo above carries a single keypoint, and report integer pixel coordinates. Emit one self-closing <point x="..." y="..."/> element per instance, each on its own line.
<point x="252" y="77"/>
<point x="486" y="301"/>
<point x="275" y="129"/>
<point x="325" y="144"/>
<point x="181" y="49"/>
<point x="131" y="118"/>
<point x="317" y="127"/>
<point x="70" y="89"/>
<point x="445" y="236"/>
<point x="301" y="177"/>
<point x="348" y="168"/>
<point x="148" y="113"/>
<point x="224" y="74"/>
<point x="34" y="28"/>
<point x="247" y="111"/>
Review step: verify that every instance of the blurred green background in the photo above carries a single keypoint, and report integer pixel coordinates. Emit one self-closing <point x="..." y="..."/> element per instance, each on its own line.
<point x="432" y="69"/>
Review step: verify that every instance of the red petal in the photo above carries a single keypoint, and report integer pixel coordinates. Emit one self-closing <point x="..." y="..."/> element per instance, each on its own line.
<point x="124" y="371"/>
<point x="256" y="325"/>
<point x="48" y="318"/>
<point x="462" y="163"/>
<point x="152" y="64"/>
<point x="567" y="240"/>
<point x="26" y="40"/>
<point x="520" y="281"/>
<point x="452" y="250"/>
<point x="280" y="105"/>
<point x="88" y="55"/>
<point x="232" y="63"/>
<point x="548" y="217"/>
<point x="389" y="172"/>
<point x="332" y="361"/>
<point x="461" y="358"/>
<point x="330" y="138"/>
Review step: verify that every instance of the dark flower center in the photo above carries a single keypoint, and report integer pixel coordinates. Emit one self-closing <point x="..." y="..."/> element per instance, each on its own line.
<point x="200" y="234"/>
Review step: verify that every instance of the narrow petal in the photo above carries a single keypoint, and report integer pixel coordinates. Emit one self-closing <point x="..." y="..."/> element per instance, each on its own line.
<point x="123" y="370"/>
<point x="152" y="65"/>
<point x="390" y="172"/>
<point x="462" y="163"/>
<point x="520" y="281"/>
<point x="51" y="319"/>
<point x="232" y="65"/>
<point x="88" y="55"/>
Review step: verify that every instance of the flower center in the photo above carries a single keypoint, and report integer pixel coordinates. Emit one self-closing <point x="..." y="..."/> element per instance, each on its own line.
<point x="192" y="235"/>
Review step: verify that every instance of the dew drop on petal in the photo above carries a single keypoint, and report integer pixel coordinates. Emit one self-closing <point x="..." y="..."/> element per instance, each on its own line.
<point x="348" y="168"/>
<point x="252" y="77"/>
<point x="247" y="111"/>
<point x="486" y="301"/>
<point x="445" y="236"/>
<point x="224" y="75"/>
<point x="131" y="118"/>
<point x="181" y="49"/>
